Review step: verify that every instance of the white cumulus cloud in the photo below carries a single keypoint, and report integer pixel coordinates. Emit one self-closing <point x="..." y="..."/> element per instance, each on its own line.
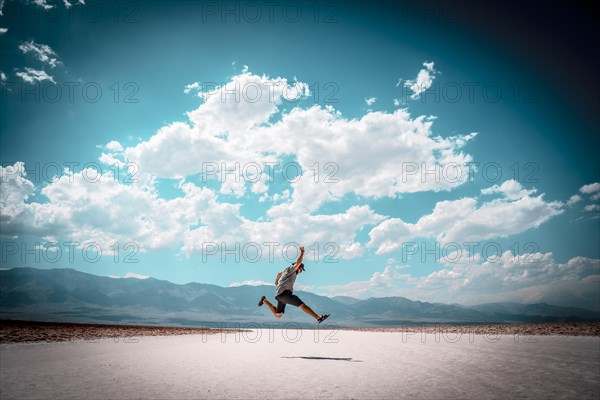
<point x="87" y="206"/>
<point x="527" y="278"/>
<point x="241" y="122"/>
<point x="463" y="220"/>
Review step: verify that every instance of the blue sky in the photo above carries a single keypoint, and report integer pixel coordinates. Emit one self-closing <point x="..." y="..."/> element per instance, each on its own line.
<point x="361" y="92"/>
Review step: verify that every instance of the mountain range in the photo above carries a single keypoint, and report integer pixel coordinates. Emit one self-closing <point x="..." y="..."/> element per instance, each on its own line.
<point x="68" y="295"/>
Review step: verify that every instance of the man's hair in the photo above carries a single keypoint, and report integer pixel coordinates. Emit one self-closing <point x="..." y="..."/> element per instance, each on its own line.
<point x="301" y="267"/>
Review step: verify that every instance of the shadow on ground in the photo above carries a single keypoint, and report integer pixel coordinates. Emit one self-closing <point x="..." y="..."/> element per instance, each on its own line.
<point x="325" y="358"/>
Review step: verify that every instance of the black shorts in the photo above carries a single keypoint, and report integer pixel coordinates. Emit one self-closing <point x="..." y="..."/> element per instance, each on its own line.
<point x="286" y="297"/>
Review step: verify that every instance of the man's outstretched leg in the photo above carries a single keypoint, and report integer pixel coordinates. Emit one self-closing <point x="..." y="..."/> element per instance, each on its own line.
<point x="310" y="312"/>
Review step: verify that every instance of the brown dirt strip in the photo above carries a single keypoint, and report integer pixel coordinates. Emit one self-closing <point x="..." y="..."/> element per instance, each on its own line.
<point x="542" y="328"/>
<point x="30" y="331"/>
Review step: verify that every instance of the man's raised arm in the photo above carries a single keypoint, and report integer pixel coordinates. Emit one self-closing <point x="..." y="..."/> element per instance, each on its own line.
<point x="297" y="265"/>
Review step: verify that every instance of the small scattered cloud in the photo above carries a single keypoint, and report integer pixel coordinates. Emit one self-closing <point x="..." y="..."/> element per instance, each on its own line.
<point x="32" y="76"/>
<point x="573" y="199"/>
<point x="130" y="275"/>
<point x="511" y="189"/>
<point x="191" y="86"/>
<point x="370" y="101"/>
<point x="250" y="283"/>
<point x="3" y="77"/>
<point x="592" y="189"/>
<point x="42" y="52"/>
<point x="429" y="66"/>
<point x="69" y="3"/>
<point x="114" y="146"/>
<point x="3" y="30"/>
<point x="44" y="4"/>
<point x="422" y="82"/>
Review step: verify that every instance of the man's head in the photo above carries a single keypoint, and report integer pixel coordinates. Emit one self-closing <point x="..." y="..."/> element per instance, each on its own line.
<point x="301" y="268"/>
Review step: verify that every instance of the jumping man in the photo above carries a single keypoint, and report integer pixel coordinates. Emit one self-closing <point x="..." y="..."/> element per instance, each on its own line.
<point x="283" y="294"/>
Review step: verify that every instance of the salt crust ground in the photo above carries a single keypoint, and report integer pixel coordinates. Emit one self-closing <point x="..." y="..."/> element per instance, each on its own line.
<point x="304" y="364"/>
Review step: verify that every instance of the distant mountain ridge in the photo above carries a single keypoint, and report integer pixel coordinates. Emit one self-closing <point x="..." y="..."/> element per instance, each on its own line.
<point x="68" y="295"/>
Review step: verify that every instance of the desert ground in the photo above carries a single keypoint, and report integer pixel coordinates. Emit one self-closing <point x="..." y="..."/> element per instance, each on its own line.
<point x="154" y="363"/>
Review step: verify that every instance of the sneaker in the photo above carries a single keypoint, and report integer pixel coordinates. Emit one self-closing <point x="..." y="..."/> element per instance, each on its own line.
<point x="323" y="318"/>
<point x="262" y="299"/>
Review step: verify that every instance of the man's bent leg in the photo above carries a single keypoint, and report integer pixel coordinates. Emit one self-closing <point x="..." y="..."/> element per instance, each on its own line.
<point x="272" y="308"/>
<point x="309" y="311"/>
